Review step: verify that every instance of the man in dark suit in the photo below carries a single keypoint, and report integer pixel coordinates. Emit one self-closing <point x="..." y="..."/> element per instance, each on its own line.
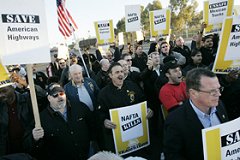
<point x="182" y="132"/>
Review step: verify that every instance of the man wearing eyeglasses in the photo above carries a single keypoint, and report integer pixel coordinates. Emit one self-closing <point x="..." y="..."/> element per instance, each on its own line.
<point x="183" y="136"/>
<point x="165" y="51"/>
<point x="66" y="130"/>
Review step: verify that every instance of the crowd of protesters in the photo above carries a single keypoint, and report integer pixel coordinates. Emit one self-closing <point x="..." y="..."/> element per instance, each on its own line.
<point x="183" y="96"/>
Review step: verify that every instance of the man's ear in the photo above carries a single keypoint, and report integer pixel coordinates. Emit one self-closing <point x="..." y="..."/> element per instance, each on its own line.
<point x="110" y="75"/>
<point x="167" y="74"/>
<point x="49" y="97"/>
<point x="193" y="93"/>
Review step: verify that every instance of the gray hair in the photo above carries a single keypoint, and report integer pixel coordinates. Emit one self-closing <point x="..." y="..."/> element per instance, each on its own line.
<point x="103" y="61"/>
<point x="75" y="67"/>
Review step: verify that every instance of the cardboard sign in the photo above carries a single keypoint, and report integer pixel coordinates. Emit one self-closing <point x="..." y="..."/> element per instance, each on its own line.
<point x="222" y="142"/>
<point x="132" y="18"/>
<point x="131" y="133"/>
<point x="4" y="77"/>
<point x="214" y="13"/>
<point x="23" y="31"/>
<point x="228" y="57"/>
<point x="160" y="22"/>
<point x="120" y="39"/>
<point x="104" y="32"/>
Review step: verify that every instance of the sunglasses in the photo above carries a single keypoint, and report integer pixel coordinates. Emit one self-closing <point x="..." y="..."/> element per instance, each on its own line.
<point x="164" y="46"/>
<point x="58" y="94"/>
<point x="61" y="62"/>
<point x="129" y="60"/>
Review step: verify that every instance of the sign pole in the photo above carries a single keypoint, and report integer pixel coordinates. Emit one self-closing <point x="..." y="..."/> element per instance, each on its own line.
<point x="33" y="96"/>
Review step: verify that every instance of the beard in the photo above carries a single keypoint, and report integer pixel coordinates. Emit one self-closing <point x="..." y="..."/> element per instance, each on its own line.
<point x="59" y="106"/>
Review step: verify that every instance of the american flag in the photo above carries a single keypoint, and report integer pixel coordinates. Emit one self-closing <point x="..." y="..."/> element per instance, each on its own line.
<point x="65" y="20"/>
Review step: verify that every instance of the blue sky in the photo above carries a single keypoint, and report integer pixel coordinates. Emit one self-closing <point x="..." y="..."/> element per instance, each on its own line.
<point x="85" y="12"/>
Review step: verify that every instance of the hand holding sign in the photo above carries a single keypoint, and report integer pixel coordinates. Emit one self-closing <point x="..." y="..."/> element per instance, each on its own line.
<point x="109" y="124"/>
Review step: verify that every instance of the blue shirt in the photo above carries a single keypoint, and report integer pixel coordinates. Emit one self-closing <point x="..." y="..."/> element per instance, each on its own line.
<point x="207" y="120"/>
<point x="64" y="114"/>
<point x="84" y="96"/>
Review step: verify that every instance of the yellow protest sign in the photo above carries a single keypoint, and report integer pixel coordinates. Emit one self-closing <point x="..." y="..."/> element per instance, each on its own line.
<point x="228" y="57"/>
<point x="131" y="133"/>
<point x="222" y="142"/>
<point x="160" y="22"/>
<point x="214" y="13"/>
<point x="104" y="32"/>
<point x="4" y="77"/>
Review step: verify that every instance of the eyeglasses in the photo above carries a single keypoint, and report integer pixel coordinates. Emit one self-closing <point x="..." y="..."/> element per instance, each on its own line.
<point x="128" y="60"/>
<point x="213" y="92"/>
<point x="61" y="63"/>
<point x="58" y="94"/>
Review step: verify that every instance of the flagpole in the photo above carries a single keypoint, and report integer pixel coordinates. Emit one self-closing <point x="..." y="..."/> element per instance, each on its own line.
<point x="75" y="39"/>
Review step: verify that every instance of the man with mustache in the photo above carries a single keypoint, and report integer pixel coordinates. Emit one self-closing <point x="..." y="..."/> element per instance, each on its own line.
<point x="66" y="130"/>
<point x="119" y="93"/>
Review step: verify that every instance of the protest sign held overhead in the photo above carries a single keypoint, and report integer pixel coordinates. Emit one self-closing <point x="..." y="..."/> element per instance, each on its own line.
<point x="228" y="56"/>
<point x="214" y="13"/>
<point x="222" y="142"/>
<point x="160" y="22"/>
<point x="131" y="133"/>
<point x="23" y="33"/>
<point x="132" y="18"/>
<point x="120" y="39"/>
<point x="104" y="32"/>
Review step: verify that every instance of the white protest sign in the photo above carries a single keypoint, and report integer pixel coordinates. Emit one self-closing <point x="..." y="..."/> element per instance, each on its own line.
<point x="131" y="133"/>
<point x="214" y="13"/>
<point x="139" y="35"/>
<point x="104" y="32"/>
<point x="120" y="39"/>
<point x="236" y="10"/>
<point x="160" y="22"/>
<point x="132" y="18"/>
<point x="233" y="46"/>
<point x="222" y="142"/>
<point x="228" y="51"/>
<point x="23" y="31"/>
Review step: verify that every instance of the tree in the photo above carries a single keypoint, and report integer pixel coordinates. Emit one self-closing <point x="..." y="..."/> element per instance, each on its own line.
<point x="184" y="14"/>
<point x="121" y="25"/>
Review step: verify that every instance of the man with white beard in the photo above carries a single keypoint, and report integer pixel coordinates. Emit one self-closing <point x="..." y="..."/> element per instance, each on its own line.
<point x="66" y="130"/>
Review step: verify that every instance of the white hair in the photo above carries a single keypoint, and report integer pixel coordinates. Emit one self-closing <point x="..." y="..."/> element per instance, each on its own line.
<point x="104" y="61"/>
<point x="105" y="156"/>
<point x="75" y="67"/>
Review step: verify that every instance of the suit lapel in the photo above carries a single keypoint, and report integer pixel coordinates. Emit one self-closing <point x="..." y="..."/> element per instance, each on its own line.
<point x="221" y="113"/>
<point x="192" y="116"/>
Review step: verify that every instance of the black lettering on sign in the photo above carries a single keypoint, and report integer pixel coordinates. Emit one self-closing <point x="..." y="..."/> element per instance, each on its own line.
<point x="230" y="138"/>
<point x="236" y="28"/>
<point x="132" y="14"/>
<point x="131" y="124"/>
<point x="218" y="5"/>
<point x="132" y="19"/>
<point x="20" y="18"/>
<point x="160" y="21"/>
<point x="103" y="25"/>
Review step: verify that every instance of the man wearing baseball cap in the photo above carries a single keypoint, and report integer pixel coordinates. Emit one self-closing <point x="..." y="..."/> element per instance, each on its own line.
<point x="173" y="93"/>
<point x="66" y="130"/>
